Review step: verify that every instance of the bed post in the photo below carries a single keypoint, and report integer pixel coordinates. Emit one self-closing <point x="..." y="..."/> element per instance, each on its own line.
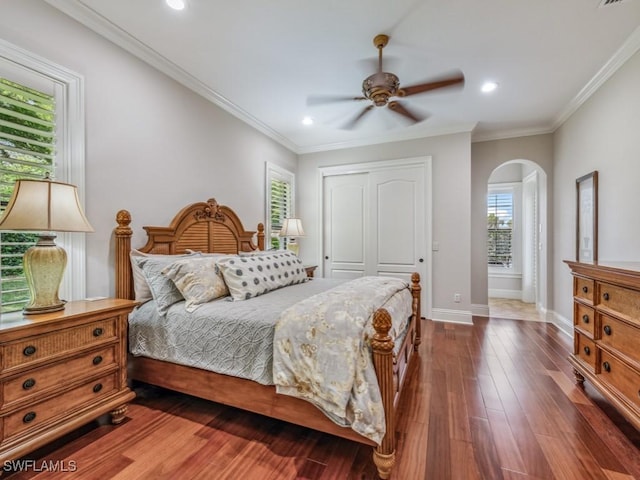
<point x="416" y="293"/>
<point x="123" y="232"/>
<point x="384" y="455"/>
<point x="260" y="236"/>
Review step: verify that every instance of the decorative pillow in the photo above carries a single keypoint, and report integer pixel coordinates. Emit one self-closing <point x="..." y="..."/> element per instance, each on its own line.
<point x="260" y="252"/>
<point x="140" y="285"/>
<point x="253" y="275"/>
<point x="163" y="290"/>
<point x="198" y="279"/>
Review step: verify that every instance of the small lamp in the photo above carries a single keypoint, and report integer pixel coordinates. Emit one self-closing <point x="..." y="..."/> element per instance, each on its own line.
<point x="292" y="228"/>
<point x="44" y="205"/>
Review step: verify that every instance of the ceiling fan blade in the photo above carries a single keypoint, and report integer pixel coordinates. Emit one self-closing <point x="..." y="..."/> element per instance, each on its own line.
<point x="352" y="123"/>
<point x="455" y="80"/>
<point x="405" y="112"/>
<point x="324" y="99"/>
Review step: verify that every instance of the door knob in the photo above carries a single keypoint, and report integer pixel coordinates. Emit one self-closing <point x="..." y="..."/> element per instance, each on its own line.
<point x="421" y="260"/>
<point x="326" y="257"/>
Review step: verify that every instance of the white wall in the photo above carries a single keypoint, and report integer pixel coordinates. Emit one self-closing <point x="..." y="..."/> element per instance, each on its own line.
<point x="451" y="156"/>
<point x="603" y="135"/>
<point x="152" y="146"/>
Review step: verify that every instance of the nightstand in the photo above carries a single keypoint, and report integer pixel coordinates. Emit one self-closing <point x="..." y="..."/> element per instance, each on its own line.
<point x="310" y="269"/>
<point x="60" y="370"/>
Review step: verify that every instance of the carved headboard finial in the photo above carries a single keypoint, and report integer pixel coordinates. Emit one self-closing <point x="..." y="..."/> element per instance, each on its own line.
<point x="212" y="210"/>
<point x="123" y="218"/>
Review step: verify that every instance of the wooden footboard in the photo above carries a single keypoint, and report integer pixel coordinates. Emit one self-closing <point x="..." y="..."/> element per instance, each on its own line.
<point x="212" y="228"/>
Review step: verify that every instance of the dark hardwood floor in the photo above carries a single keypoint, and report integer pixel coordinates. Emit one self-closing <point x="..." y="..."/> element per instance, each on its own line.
<point x="496" y="400"/>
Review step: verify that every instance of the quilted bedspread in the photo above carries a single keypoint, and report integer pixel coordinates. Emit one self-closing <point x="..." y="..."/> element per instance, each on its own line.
<point x="322" y="352"/>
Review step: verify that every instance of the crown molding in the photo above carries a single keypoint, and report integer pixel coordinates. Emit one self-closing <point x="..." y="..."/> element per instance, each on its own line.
<point x="513" y="133"/>
<point x="622" y="55"/>
<point x="99" y="24"/>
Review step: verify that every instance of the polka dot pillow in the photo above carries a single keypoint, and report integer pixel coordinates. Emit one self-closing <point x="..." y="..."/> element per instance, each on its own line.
<point x="250" y="276"/>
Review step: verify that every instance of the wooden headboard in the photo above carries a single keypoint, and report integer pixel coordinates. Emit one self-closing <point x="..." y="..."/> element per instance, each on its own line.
<point x="203" y="226"/>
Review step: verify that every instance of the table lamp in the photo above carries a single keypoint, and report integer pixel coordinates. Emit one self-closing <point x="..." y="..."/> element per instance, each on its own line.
<point x="44" y="206"/>
<point x="292" y="228"/>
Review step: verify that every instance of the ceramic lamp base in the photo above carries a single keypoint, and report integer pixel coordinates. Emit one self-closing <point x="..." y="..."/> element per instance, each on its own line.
<point x="44" y="265"/>
<point x="293" y="247"/>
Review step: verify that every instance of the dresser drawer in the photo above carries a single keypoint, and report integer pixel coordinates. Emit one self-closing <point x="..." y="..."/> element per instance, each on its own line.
<point x="621" y="336"/>
<point x="583" y="288"/>
<point x="31" y="417"/>
<point x="621" y="377"/>
<point x="621" y="300"/>
<point x="42" y="347"/>
<point x="585" y="350"/>
<point x="24" y="386"/>
<point x="584" y="318"/>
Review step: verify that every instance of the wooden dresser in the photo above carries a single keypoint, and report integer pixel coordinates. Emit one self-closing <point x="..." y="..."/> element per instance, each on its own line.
<point x="606" y="319"/>
<point x="61" y="370"/>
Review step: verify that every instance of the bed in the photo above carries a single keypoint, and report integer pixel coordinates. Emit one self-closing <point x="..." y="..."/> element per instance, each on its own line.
<point x="210" y="228"/>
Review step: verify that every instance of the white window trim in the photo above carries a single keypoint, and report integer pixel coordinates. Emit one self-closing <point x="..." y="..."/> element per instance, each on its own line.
<point x="275" y="172"/>
<point x="70" y="166"/>
<point x="515" y="188"/>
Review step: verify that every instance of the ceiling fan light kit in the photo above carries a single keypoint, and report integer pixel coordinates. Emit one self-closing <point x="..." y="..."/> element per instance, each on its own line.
<point x="382" y="86"/>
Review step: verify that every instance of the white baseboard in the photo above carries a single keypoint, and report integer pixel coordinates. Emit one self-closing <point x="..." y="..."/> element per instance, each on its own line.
<point x="564" y="325"/>
<point x="479" y="310"/>
<point x="503" y="293"/>
<point x="452" y="316"/>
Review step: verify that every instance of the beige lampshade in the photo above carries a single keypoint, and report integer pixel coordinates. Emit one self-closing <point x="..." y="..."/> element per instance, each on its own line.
<point x="43" y="205"/>
<point x="292" y="227"/>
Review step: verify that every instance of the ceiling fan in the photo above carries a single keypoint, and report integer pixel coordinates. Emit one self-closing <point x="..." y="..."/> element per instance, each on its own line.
<point x="381" y="87"/>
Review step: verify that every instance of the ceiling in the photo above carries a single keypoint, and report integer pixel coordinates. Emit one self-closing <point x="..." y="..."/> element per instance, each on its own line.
<point x="261" y="60"/>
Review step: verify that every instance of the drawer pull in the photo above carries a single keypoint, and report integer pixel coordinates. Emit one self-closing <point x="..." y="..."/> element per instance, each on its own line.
<point x="587" y="350"/>
<point x="607" y="329"/>
<point x="585" y="318"/>
<point x="605" y="296"/>
<point x="606" y="366"/>
<point x="29" y="417"/>
<point x="97" y="360"/>
<point x="28" y="351"/>
<point x="585" y="289"/>
<point x="97" y="387"/>
<point x="97" y="332"/>
<point x="29" y="383"/>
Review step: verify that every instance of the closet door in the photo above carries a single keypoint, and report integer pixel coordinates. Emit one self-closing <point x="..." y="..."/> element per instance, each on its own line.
<point x="346" y="228"/>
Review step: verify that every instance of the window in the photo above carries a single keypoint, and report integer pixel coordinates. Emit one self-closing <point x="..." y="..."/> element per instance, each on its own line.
<point x="500" y="228"/>
<point x="41" y="131"/>
<point x="27" y="150"/>
<point x="280" y="200"/>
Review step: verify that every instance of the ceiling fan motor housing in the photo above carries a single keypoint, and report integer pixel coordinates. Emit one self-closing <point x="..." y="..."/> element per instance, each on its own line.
<point x="379" y="87"/>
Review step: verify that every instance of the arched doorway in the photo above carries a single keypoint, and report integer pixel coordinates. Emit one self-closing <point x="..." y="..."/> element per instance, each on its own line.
<point x="517" y="243"/>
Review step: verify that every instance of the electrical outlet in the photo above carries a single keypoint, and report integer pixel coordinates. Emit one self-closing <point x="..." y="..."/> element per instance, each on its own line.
<point x="456" y="297"/>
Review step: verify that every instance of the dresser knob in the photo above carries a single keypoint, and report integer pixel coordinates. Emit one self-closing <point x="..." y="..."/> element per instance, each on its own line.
<point x="607" y="329"/>
<point x="585" y="318"/>
<point x="29" y="417"/>
<point x="585" y="289"/>
<point x="605" y="296"/>
<point x="97" y="332"/>
<point x="606" y="366"/>
<point x="97" y="360"/>
<point x="587" y="350"/>
<point x="28" y="351"/>
<point x="28" y="383"/>
<point x="97" y="387"/>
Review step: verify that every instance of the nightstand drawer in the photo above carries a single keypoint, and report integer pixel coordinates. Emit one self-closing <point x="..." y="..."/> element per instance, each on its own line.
<point x="24" y="386"/>
<point x="585" y="350"/>
<point x="584" y="318"/>
<point x="622" y="300"/>
<point x="29" y="418"/>
<point x="621" y="377"/>
<point x="42" y="347"/>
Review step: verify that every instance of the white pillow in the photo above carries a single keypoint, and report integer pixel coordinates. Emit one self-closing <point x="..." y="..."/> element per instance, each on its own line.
<point x="253" y="275"/>
<point x="198" y="279"/>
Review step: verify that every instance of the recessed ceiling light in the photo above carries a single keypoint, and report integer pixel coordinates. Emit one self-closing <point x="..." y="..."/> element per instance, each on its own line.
<point x="176" y="4"/>
<point x="488" y="87"/>
<point x="307" y="121"/>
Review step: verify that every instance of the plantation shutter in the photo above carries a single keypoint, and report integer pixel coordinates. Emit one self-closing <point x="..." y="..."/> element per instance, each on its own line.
<point x="500" y="229"/>
<point x="280" y="210"/>
<point x="27" y="150"/>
